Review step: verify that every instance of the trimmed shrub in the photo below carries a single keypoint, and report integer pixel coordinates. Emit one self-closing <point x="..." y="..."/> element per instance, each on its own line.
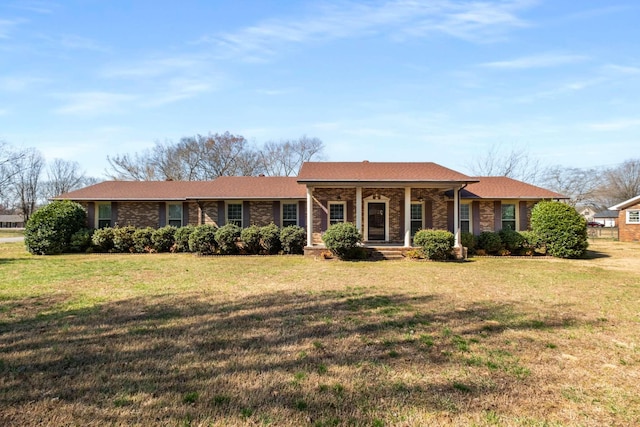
<point x="102" y="239"/>
<point x="202" y="239"/>
<point x="436" y="245"/>
<point x="511" y="240"/>
<point x="163" y="238"/>
<point x="123" y="238"/>
<point x="250" y="236"/>
<point x="293" y="239"/>
<point x="142" y="240"/>
<point x="270" y="238"/>
<point x="532" y="243"/>
<point x="48" y="231"/>
<point x="489" y="242"/>
<point x="562" y="229"/>
<point x="227" y="238"/>
<point x="181" y="238"/>
<point x="80" y="240"/>
<point x="468" y="240"/>
<point x="342" y="238"/>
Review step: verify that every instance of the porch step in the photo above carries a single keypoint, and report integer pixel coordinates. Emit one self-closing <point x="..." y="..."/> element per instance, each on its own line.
<point x="386" y="254"/>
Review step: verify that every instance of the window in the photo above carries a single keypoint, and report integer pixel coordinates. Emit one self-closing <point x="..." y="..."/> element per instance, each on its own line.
<point x="234" y="214"/>
<point x="175" y="214"/>
<point x="465" y="218"/>
<point x="416" y="217"/>
<point x="633" y="216"/>
<point x="508" y="216"/>
<point x="336" y="212"/>
<point x="104" y="215"/>
<point x="289" y="214"/>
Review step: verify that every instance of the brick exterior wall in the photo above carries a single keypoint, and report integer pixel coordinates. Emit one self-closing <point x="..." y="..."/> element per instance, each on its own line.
<point x="261" y="213"/>
<point x="207" y="214"/>
<point x="138" y="214"/>
<point x="628" y="232"/>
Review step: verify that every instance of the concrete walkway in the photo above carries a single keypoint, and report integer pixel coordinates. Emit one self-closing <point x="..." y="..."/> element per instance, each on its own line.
<point x="11" y="239"/>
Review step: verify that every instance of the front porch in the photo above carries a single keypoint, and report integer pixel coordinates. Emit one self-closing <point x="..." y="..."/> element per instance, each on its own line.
<point x="379" y="252"/>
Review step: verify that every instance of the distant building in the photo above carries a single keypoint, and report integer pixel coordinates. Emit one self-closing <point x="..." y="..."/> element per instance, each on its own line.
<point x="11" y="221"/>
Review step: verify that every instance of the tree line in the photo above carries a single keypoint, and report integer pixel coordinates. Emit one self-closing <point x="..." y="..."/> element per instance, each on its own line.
<point x="27" y="181"/>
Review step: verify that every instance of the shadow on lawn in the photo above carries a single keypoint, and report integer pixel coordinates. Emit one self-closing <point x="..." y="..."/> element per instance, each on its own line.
<point x="328" y="358"/>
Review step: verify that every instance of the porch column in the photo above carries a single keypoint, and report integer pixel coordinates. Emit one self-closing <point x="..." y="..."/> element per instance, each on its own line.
<point x="407" y="217"/>
<point x="309" y="216"/>
<point x="359" y="209"/>
<point x="456" y="216"/>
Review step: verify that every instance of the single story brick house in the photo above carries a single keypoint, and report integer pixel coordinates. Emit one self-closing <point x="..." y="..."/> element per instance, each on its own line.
<point x="11" y="221"/>
<point x="387" y="201"/>
<point x="628" y="219"/>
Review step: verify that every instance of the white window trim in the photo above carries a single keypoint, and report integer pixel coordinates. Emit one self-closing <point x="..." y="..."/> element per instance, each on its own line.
<point x="629" y="216"/>
<point x="97" y="213"/>
<point x="226" y="211"/>
<point x="471" y="216"/>
<point x="181" y="213"/>
<point x="517" y="211"/>
<point x="344" y="210"/>
<point x="422" y="208"/>
<point x="289" y="202"/>
<point x="380" y="199"/>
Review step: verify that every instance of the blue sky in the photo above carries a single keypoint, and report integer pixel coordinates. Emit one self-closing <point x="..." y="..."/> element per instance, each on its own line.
<point x="403" y="80"/>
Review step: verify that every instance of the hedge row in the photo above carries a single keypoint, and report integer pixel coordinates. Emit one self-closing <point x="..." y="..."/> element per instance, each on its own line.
<point x="202" y="239"/>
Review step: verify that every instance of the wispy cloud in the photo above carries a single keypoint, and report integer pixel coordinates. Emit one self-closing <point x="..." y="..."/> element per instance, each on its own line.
<point x="94" y="103"/>
<point x="18" y="83"/>
<point x="41" y="7"/>
<point x="544" y="60"/>
<point x="397" y="19"/>
<point x="7" y="26"/>
<point x="615" y="125"/>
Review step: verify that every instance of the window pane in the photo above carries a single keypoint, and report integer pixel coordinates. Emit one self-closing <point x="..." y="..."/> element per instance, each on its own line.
<point x="416" y="211"/>
<point x="175" y="211"/>
<point x="634" y="216"/>
<point x="464" y="212"/>
<point x="289" y="214"/>
<point x="508" y="212"/>
<point x="104" y="223"/>
<point x="104" y="211"/>
<point x="234" y="214"/>
<point x="416" y="226"/>
<point x="336" y="213"/>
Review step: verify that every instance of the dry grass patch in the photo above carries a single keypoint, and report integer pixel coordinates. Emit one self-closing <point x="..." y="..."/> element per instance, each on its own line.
<point x="183" y="340"/>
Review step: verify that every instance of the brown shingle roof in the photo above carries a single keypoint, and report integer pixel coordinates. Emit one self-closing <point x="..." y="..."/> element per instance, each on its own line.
<point x="236" y="187"/>
<point x="502" y="187"/>
<point x="258" y="187"/>
<point x="378" y="172"/>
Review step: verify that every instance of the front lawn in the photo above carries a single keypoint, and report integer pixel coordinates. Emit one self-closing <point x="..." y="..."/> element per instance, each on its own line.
<point x="177" y="339"/>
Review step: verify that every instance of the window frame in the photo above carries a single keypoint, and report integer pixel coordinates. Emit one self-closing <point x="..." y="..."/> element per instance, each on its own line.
<point x="282" y="214"/>
<point x="636" y="216"/>
<point x="175" y="220"/>
<point x="514" y="220"/>
<point x="330" y="222"/>
<point x="412" y="220"/>
<point x="100" y="219"/>
<point x="238" y="222"/>
<point x="467" y="220"/>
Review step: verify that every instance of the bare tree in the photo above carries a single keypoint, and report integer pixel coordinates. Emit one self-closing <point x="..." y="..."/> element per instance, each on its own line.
<point x="25" y="181"/>
<point x="580" y="185"/>
<point x="136" y="167"/>
<point x="9" y="158"/>
<point x="63" y="176"/>
<point x="621" y="182"/>
<point x="516" y="163"/>
<point x="284" y="158"/>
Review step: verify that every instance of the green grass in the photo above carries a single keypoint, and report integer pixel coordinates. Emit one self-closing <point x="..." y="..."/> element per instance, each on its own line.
<point x="174" y="339"/>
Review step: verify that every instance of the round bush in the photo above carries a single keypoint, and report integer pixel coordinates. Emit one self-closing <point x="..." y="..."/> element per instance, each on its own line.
<point x="250" y="236"/>
<point x="490" y="242"/>
<point x="227" y="238"/>
<point x="562" y="229"/>
<point x="48" y="231"/>
<point x="511" y="240"/>
<point x="532" y="243"/>
<point x="202" y="239"/>
<point x="468" y="240"/>
<point x="102" y="239"/>
<point x="142" y="240"/>
<point x="163" y="238"/>
<point x="293" y="239"/>
<point x="436" y="244"/>
<point x="342" y="239"/>
<point x="181" y="238"/>
<point x="80" y="240"/>
<point x="123" y="239"/>
<point x="270" y="238"/>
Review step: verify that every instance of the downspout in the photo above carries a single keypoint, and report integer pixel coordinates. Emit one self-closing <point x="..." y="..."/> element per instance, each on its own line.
<point x="456" y="222"/>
